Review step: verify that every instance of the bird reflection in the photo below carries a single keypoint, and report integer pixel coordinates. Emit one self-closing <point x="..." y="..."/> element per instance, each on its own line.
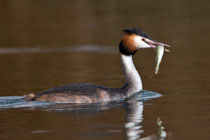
<point x="134" y="118"/>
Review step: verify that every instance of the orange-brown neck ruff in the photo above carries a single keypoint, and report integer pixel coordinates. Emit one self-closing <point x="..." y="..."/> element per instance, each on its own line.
<point x="127" y="45"/>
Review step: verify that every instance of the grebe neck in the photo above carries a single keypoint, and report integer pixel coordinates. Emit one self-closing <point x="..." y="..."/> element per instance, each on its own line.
<point x="133" y="81"/>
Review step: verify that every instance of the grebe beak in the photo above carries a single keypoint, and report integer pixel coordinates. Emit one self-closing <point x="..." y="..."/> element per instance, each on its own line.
<point x="154" y="44"/>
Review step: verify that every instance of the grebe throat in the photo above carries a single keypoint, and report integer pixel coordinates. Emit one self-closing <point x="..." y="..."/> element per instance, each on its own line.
<point x="133" y="81"/>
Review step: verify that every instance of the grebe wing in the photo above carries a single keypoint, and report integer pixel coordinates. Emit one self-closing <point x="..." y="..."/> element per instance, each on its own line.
<point x="76" y="93"/>
<point x="80" y="88"/>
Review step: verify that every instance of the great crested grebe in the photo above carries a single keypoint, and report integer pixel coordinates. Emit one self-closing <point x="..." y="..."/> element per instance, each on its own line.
<point x="132" y="40"/>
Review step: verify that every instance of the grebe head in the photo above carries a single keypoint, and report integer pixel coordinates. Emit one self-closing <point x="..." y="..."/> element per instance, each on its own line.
<point x="135" y="39"/>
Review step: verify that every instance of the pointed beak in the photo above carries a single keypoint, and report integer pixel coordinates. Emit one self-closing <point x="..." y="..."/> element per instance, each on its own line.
<point x="154" y="44"/>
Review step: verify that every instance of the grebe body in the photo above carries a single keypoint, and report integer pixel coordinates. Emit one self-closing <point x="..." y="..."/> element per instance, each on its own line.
<point x="133" y="39"/>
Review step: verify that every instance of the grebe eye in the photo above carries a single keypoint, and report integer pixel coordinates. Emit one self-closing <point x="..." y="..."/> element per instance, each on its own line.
<point x="143" y="39"/>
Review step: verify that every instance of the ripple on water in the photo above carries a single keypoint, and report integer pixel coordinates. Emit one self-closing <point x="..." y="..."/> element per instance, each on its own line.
<point x="32" y="50"/>
<point x="18" y="102"/>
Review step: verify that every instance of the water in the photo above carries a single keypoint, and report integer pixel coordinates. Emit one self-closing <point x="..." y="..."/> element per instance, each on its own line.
<point x="48" y="43"/>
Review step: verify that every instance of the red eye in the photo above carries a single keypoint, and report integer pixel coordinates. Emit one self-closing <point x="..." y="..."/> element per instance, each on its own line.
<point x="143" y="39"/>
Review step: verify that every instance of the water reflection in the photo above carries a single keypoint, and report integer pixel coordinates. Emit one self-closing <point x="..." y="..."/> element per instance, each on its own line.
<point x="134" y="118"/>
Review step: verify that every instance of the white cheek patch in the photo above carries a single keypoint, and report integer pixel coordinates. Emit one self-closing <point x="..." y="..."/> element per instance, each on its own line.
<point x="139" y="43"/>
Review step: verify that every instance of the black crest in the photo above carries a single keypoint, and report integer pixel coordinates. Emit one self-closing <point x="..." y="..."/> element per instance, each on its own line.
<point x="137" y="32"/>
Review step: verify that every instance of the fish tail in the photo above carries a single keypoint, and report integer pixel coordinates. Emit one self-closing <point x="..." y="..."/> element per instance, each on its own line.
<point x="156" y="69"/>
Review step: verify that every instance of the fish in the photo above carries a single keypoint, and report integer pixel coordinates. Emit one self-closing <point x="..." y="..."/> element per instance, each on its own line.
<point x="159" y="56"/>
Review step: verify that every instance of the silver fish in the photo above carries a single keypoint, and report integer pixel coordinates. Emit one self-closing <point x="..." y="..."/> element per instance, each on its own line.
<point x="159" y="56"/>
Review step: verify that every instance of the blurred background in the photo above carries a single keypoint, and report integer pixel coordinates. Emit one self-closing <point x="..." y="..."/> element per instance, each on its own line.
<point x="45" y="43"/>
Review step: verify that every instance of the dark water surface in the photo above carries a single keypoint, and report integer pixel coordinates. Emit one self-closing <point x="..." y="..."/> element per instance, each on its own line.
<point x="45" y="43"/>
